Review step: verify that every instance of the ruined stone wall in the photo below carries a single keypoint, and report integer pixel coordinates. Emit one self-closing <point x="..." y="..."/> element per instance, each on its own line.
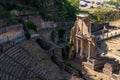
<point x="49" y="24"/>
<point x="3" y="22"/>
<point x="11" y="32"/>
<point x="40" y="23"/>
<point x="47" y="27"/>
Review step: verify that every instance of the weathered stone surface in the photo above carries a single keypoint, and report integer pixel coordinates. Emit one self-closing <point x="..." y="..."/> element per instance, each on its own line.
<point x="95" y="63"/>
<point x="11" y="32"/>
<point x="116" y="77"/>
<point x="111" y="67"/>
<point x="81" y="42"/>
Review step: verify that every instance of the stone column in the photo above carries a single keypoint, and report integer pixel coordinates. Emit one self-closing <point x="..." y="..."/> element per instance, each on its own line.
<point x="81" y="47"/>
<point x="76" y="45"/>
<point x="89" y="49"/>
<point x="90" y="29"/>
<point x="82" y="27"/>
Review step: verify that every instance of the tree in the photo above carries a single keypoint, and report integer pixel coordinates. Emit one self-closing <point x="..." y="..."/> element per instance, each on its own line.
<point x="74" y="3"/>
<point x="116" y="3"/>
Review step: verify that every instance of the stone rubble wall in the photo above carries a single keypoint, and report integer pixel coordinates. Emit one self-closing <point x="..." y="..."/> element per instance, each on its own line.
<point x="11" y="32"/>
<point x="3" y="22"/>
<point x="41" y="24"/>
<point x="15" y="31"/>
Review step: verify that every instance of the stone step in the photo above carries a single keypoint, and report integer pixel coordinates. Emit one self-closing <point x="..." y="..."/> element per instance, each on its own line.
<point x="3" y="63"/>
<point x="0" y="74"/>
<point x="30" y="74"/>
<point x="12" y="49"/>
<point x="8" y="65"/>
<point x="23" y="59"/>
<point x="16" y="70"/>
<point x="21" y="56"/>
<point x="14" y="52"/>
<point x="39" y="71"/>
<point x="2" y="57"/>
<point x="6" y="76"/>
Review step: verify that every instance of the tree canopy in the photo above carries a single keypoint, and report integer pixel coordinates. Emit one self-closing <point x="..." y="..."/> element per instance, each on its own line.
<point x="116" y="3"/>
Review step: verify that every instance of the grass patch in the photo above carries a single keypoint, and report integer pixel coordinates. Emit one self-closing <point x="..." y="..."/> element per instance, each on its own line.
<point x="73" y="67"/>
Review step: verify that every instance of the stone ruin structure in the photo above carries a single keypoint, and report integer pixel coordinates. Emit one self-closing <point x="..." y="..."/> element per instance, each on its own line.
<point x="10" y="33"/>
<point x="111" y="67"/>
<point x="84" y="44"/>
<point x="84" y="47"/>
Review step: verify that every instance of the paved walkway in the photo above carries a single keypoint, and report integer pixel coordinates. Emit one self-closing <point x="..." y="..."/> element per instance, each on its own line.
<point x="108" y="35"/>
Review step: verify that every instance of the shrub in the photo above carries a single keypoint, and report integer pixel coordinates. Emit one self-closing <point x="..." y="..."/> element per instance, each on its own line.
<point x="74" y="67"/>
<point x="28" y="36"/>
<point x="31" y="25"/>
<point x="12" y="18"/>
<point x="99" y="16"/>
<point x="91" y="6"/>
<point x="61" y="33"/>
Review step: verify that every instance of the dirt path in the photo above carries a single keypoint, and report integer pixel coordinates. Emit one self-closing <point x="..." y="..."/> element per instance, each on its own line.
<point x="113" y="48"/>
<point x="115" y="23"/>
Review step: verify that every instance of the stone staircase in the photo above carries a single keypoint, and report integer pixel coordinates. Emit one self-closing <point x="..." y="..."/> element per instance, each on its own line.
<point x="10" y="69"/>
<point x="14" y="65"/>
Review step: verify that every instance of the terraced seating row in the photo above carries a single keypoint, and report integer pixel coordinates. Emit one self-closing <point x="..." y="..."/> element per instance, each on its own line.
<point x="9" y="67"/>
<point x="14" y="65"/>
<point x="19" y="55"/>
<point x="39" y="71"/>
<point x="43" y="74"/>
<point x="5" y="76"/>
<point x="13" y="62"/>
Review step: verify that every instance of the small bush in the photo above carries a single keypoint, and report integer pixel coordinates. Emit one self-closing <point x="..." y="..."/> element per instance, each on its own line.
<point x="31" y="25"/>
<point x="91" y="7"/>
<point x="12" y="18"/>
<point x="61" y="32"/>
<point x="74" y="67"/>
<point x="28" y="36"/>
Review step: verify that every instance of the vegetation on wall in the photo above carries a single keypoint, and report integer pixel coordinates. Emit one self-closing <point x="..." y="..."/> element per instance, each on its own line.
<point x="74" y="3"/>
<point x="48" y="9"/>
<point x="27" y="34"/>
<point x="12" y="18"/>
<point x="61" y="33"/>
<point x="74" y="67"/>
<point x="69" y="10"/>
<point x="96" y="17"/>
<point x="31" y="25"/>
<point x="100" y="17"/>
<point x="116" y="3"/>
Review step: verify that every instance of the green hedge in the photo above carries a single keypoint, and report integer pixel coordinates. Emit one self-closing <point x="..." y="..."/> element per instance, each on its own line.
<point x="31" y="25"/>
